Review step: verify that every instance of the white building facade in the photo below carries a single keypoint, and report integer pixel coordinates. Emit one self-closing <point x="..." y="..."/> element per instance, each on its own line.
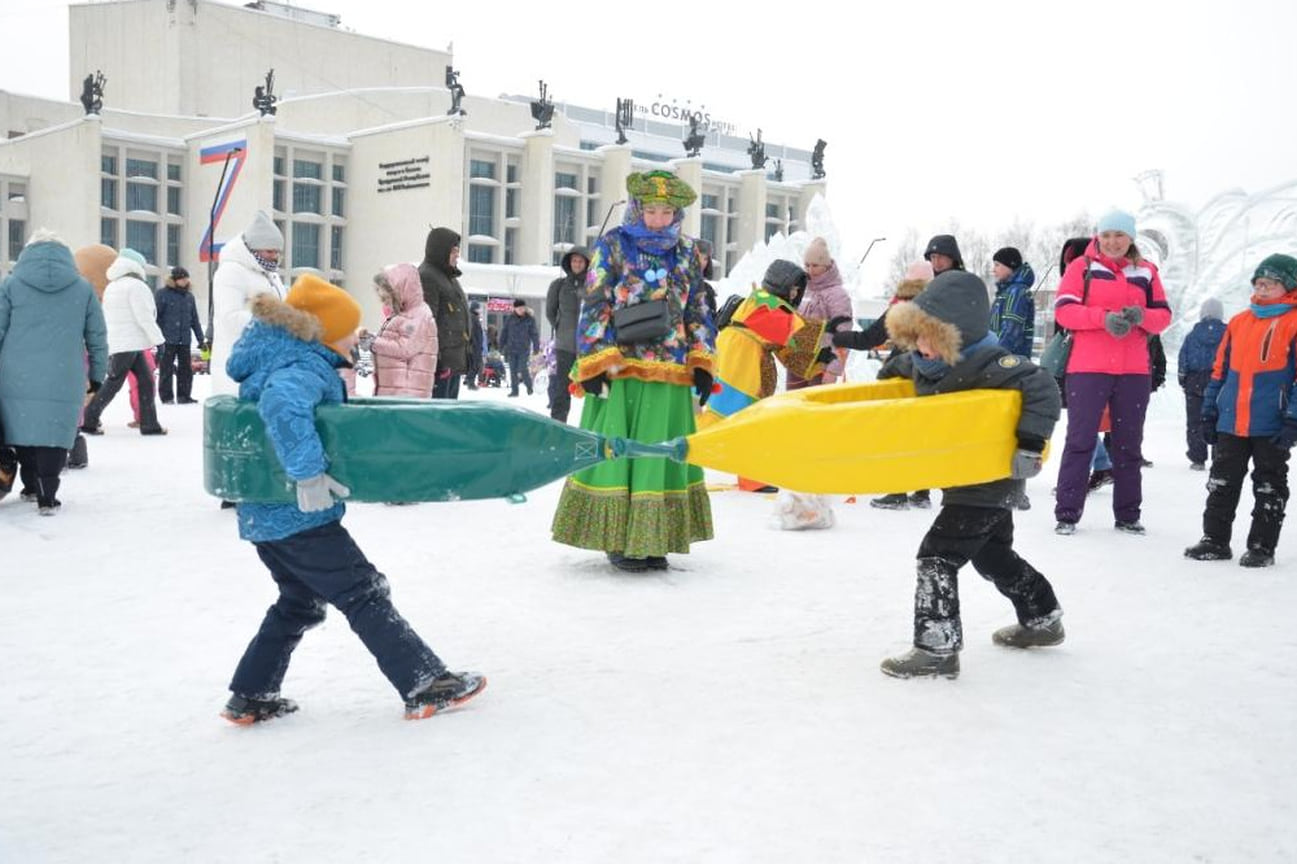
<point x="359" y="160"/>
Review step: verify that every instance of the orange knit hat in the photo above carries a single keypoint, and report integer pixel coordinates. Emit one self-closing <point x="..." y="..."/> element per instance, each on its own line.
<point x="334" y="308"/>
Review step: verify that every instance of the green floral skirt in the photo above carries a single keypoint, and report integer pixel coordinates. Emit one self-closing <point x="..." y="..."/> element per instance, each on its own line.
<point x="638" y="507"/>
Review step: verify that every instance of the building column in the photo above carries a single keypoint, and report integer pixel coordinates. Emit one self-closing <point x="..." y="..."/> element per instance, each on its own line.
<point x="690" y="170"/>
<point x="810" y="189"/>
<point x="613" y="174"/>
<point x="536" y="230"/>
<point x="752" y="209"/>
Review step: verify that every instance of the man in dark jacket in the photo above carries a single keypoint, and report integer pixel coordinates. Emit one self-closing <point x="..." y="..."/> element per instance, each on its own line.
<point x="476" y="345"/>
<point x="943" y="254"/>
<point x="177" y="318"/>
<point x="520" y="338"/>
<point x="449" y="305"/>
<point x="563" y="310"/>
<point x="947" y="326"/>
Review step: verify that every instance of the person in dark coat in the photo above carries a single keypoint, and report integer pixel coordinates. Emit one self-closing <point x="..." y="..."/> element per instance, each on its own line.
<point x="476" y="345"/>
<point x="442" y="292"/>
<point x="947" y="326"/>
<point x="178" y="317"/>
<point x="1013" y="312"/>
<point x="563" y="310"/>
<point x="705" y="254"/>
<point x="520" y="338"/>
<point x="1197" y="356"/>
<point x="943" y="254"/>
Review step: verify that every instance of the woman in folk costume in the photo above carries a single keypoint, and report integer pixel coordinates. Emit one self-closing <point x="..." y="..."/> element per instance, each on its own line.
<point x="644" y="339"/>
<point x="765" y="326"/>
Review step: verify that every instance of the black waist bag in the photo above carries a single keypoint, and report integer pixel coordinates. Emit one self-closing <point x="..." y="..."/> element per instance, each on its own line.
<point x="643" y="322"/>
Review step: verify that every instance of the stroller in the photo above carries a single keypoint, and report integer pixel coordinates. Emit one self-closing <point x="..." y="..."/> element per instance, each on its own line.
<point x="492" y="374"/>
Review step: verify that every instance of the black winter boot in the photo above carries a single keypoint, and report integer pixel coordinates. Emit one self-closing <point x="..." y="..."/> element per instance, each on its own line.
<point x="1256" y="557"/>
<point x="918" y="663"/>
<point x="895" y="501"/>
<point x="243" y="711"/>
<point x="1209" y="549"/>
<point x="448" y="690"/>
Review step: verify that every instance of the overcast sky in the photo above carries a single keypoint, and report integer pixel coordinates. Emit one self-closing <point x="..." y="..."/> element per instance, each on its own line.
<point x="933" y="111"/>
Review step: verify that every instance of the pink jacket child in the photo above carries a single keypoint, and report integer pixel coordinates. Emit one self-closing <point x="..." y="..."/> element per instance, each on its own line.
<point x="824" y="300"/>
<point x="1112" y="286"/>
<point x="405" y="347"/>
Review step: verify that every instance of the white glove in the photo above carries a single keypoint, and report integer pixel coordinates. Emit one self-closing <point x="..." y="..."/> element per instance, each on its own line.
<point x="317" y="493"/>
<point x="1026" y="465"/>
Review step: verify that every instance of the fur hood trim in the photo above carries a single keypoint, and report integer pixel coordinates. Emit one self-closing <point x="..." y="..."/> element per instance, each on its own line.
<point x="269" y="309"/>
<point x="908" y="289"/>
<point x="906" y="322"/>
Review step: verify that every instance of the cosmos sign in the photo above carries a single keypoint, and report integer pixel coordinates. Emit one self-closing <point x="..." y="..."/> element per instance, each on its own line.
<point x="673" y="110"/>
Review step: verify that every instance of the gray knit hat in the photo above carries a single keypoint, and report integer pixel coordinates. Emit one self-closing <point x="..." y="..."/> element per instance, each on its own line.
<point x="263" y="233"/>
<point x="961" y="299"/>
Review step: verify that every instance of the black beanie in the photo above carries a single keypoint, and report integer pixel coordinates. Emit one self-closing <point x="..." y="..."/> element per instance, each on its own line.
<point x="179" y="273"/>
<point x="519" y="302"/>
<point x="1009" y="257"/>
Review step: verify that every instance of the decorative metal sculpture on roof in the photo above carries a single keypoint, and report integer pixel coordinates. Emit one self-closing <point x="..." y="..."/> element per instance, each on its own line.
<point x="92" y="92"/>
<point x="264" y="98"/>
<point x="542" y="109"/>
<point x="694" y="143"/>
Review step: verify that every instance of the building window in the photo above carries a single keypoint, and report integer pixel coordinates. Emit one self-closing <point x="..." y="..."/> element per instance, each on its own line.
<point x="306" y="245"/>
<point x="710" y="230"/>
<point x="108" y="193"/>
<point x="481" y="168"/>
<point x="564" y="221"/>
<point x="308" y="170"/>
<point x="141" y="168"/>
<point x="510" y="172"/>
<point x="143" y="238"/>
<point x="173" y="171"/>
<point x="277" y="195"/>
<point x="339" y="172"/>
<point x="108" y="164"/>
<point x="173" y="200"/>
<point x="335" y="247"/>
<point x="142" y="196"/>
<point x="279" y="166"/>
<point x="711" y="202"/>
<point x="511" y="203"/>
<point x="481" y="211"/>
<point x="17" y="237"/>
<point x="306" y="198"/>
<point x="173" y="245"/>
<point x="511" y="245"/>
<point x="107" y="232"/>
<point x="339" y="201"/>
<point x="564" y="180"/>
<point x="480" y="253"/>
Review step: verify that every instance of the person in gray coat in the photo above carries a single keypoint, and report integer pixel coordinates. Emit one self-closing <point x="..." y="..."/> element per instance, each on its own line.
<point x="563" y="311"/>
<point x="50" y="323"/>
<point x="947" y="328"/>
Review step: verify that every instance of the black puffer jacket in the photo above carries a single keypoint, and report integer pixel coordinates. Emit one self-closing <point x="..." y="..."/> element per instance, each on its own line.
<point x="446" y="299"/>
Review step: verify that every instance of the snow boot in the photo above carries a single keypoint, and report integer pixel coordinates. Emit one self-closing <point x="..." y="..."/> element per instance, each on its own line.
<point x="1256" y="557"/>
<point x="921" y="499"/>
<point x="79" y="455"/>
<point x="50" y="508"/>
<point x="1197" y="466"/>
<point x="1018" y="636"/>
<point x="7" y="474"/>
<point x="1131" y="527"/>
<point x="657" y="562"/>
<point x="628" y="565"/>
<point x="918" y="663"/>
<point x="895" y="501"/>
<point x="1065" y="528"/>
<point x="448" y="690"/>
<point x="1209" y="549"/>
<point x="242" y="711"/>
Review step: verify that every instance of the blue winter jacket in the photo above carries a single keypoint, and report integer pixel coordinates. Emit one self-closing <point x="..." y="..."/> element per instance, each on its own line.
<point x="50" y="322"/>
<point x="1198" y="350"/>
<point x="287" y="377"/>
<point x="178" y="315"/>
<point x="1013" y="312"/>
<point x="519" y="335"/>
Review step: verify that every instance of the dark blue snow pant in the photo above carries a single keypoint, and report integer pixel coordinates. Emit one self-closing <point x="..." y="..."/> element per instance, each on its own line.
<point x="325" y="565"/>
<point x="983" y="535"/>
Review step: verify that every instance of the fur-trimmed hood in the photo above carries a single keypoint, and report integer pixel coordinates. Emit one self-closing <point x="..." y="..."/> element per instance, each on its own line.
<point x="269" y="309"/>
<point x="399" y="287"/>
<point x="908" y="289"/>
<point x="952" y="312"/>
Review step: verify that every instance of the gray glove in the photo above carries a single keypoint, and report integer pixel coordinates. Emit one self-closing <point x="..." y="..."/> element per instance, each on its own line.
<point x="1133" y="314"/>
<point x="1116" y="324"/>
<point x="1026" y="464"/>
<point x="317" y="493"/>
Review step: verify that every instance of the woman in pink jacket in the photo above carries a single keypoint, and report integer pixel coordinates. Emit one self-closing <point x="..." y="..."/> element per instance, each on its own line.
<point x="405" y="347"/>
<point x="1111" y="299"/>
<point x="825" y="300"/>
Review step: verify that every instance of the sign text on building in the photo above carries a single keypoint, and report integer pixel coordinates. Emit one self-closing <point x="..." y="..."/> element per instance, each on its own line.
<point x="406" y="174"/>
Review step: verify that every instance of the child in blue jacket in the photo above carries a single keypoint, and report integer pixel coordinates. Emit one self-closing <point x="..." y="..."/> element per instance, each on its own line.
<point x="287" y="362"/>
<point x="1197" y="356"/>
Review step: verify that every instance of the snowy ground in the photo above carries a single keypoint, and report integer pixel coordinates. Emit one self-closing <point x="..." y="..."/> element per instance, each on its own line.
<point x="730" y="710"/>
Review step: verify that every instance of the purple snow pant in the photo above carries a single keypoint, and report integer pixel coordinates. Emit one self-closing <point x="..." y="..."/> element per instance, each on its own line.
<point x="1127" y="399"/>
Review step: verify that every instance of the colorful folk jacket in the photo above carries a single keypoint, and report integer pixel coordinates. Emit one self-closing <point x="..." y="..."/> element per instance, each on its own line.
<point x="622" y="274"/>
<point x="763" y="328"/>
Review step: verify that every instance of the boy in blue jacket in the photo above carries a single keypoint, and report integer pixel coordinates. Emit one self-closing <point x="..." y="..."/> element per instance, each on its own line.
<point x="286" y="362"/>
<point x="1197" y="356"/>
